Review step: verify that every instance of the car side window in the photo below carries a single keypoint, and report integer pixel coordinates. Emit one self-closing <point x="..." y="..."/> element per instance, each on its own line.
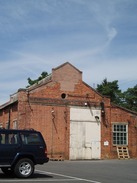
<point x="30" y="138"/>
<point x="8" y="138"/>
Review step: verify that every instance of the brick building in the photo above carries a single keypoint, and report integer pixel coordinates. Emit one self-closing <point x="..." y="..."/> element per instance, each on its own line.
<point x="76" y="121"/>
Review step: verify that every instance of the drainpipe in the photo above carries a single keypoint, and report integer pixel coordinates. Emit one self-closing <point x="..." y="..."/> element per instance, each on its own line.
<point x="53" y="124"/>
<point x="9" y="119"/>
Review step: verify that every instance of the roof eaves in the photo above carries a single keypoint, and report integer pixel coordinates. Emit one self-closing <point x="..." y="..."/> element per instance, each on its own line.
<point x="123" y="108"/>
<point x="7" y="104"/>
<point x="95" y="91"/>
<point x="40" y="83"/>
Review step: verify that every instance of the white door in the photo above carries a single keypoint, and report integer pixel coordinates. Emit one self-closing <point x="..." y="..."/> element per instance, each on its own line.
<point x="84" y="134"/>
<point x="92" y="140"/>
<point x="77" y="142"/>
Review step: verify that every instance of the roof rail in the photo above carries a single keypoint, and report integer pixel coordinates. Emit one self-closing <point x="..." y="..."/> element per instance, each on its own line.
<point x="29" y="129"/>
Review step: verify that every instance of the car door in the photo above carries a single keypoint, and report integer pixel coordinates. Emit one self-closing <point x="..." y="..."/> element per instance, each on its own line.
<point x="33" y="144"/>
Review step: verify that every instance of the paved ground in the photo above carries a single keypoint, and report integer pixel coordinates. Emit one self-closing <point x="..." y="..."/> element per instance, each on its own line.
<point x="97" y="171"/>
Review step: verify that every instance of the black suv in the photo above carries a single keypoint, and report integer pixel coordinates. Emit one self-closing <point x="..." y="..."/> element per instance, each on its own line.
<point x="20" y="151"/>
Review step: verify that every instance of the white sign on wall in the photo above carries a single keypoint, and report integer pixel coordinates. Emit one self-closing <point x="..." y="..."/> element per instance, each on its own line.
<point x="106" y="143"/>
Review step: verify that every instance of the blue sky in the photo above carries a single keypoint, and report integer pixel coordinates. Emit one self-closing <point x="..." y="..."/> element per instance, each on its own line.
<point x="99" y="37"/>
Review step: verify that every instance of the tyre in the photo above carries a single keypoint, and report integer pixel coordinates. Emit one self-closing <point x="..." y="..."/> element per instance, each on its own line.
<point x="24" y="168"/>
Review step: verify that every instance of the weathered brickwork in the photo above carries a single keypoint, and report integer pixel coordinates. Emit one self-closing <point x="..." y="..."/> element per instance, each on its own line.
<point x="8" y="115"/>
<point x="46" y="107"/>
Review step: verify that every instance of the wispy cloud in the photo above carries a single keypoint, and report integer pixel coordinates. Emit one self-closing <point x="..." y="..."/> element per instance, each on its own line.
<point x="98" y="37"/>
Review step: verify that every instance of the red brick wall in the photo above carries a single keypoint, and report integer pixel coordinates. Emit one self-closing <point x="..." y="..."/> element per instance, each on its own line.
<point x="66" y="73"/>
<point x="119" y="115"/>
<point x="114" y="115"/>
<point x="24" y="109"/>
<point x="38" y="115"/>
<point x="9" y="113"/>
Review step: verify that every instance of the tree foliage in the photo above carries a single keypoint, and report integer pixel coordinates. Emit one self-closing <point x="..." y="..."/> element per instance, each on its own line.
<point x="31" y="82"/>
<point x="127" y="99"/>
<point x="130" y="98"/>
<point x="110" y="89"/>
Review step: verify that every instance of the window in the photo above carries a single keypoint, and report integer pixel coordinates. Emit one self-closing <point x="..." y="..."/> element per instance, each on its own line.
<point x="1" y="125"/>
<point x="120" y="134"/>
<point x="63" y="95"/>
<point x="15" y="124"/>
<point x="7" y="125"/>
<point x="32" y="138"/>
<point x="8" y="138"/>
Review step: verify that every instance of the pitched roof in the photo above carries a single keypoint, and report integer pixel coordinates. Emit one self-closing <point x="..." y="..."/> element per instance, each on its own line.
<point x="123" y="108"/>
<point x="67" y="63"/>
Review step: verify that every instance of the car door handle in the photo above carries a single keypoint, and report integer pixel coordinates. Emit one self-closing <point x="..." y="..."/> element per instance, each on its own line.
<point x="41" y="147"/>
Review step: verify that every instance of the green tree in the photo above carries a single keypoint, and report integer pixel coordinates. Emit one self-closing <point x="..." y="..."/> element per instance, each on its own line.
<point x="110" y="89"/>
<point x="31" y="82"/>
<point x="130" y="98"/>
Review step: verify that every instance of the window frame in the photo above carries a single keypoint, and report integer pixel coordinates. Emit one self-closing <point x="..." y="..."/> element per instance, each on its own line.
<point x="15" y="124"/>
<point x="121" y="134"/>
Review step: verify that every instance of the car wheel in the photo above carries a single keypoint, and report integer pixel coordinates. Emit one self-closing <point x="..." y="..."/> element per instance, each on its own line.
<point x="24" y="168"/>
